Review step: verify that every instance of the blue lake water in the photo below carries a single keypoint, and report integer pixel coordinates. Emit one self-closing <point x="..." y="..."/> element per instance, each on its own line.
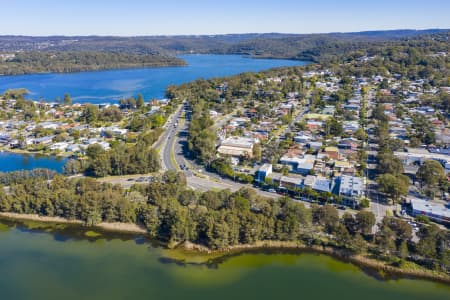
<point x="13" y="162"/>
<point x="111" y="85"/>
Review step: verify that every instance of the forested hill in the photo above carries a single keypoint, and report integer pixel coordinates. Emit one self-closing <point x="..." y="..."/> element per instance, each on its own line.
<point x="66" y="62"/>
<point x="22" y="54"/>
<point x="334" y="46"/>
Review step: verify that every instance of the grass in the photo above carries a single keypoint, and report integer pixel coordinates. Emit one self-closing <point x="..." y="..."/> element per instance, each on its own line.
<point x="172" y="159"/>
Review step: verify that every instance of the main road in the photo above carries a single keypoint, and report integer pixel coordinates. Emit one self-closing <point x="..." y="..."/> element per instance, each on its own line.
<point x="171" y="146"/>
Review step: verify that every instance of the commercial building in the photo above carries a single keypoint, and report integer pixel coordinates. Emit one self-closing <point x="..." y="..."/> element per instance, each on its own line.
<point x="351" y="186"/>
<point x="437" y="212"/>
<point x="237" y="146"/>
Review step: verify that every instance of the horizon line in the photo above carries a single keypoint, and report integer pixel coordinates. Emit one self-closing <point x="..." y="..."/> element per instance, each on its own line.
<point x="225" y="34"/>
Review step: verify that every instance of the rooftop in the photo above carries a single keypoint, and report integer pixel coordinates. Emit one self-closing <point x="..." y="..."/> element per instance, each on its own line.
<point x="432" y="208"/>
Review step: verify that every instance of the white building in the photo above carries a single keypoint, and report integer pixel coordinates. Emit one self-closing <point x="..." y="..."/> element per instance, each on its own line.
<point x="237" y="146"/>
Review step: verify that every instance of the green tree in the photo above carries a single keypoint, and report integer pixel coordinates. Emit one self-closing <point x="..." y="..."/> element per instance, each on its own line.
<point x="365" y="220"/>
<point x="257" y="153"/>
<point x="430" y="175"/>
<point x="67" y="99"/>
<point x="140" y="101"/>
<point x="393" y="186"/>
<point x="90" y="113"/>
<point x="389" y="164"/>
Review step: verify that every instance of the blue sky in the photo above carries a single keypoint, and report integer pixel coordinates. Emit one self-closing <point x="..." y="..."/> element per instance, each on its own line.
<point x="140" y="17"/>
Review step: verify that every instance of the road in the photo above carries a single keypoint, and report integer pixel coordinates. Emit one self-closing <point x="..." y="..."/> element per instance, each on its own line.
<point x="172" y="147"/>
<point x="167" y="139"/>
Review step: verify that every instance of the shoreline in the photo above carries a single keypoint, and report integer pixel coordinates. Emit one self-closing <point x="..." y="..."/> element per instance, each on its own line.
<point x="149" y="66"/>
<point x="374" y="267"/>
<point x="41" y="153"/>
<point x="114" y="227"/>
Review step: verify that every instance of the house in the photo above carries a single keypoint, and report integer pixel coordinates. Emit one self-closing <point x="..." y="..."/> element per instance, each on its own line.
<point x="315" y="145"/>
<point x="314" y="125"/>
<point x="302" y="139"/>
<point x="59" y="146"/>
<point x="46" y="140"/>
<point x="349" y="144"/>
<point x="48" y="125"/>
<point x="114" y="130"/>
<point x="352" y="107"/>
<point x="332" y="152"/>
<point x="344" y="167"/>
<point x="350" y="126"/>
<point x="329" y="110"/>
<point x="73" y="148"/>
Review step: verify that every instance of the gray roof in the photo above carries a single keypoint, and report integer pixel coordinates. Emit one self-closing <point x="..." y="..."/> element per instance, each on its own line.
<point x="430" y="208"/>
<point x="350" y="185"/>
<point x="323" y="185"/>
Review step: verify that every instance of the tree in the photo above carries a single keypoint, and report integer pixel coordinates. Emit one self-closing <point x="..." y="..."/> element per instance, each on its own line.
<point x="430" y="175"/>
<point x="358" y="244"/>
<point x="349" y="221"/>
<point x="90" y="114"/>
<point x="402" y="230"/>
<point x="333" y="127"/>
<point x="342" y="236"/>
<point x="101" y="166"/>
<point x="326" y="215"/>
<point x="67" y="99"/>
<point x="385" y="240"/>
<point x="360" y="134"/>
<point x="140" y="101"/>
<point x="389" y="164"/>
<point x="365" y="220"/>
<point x="131" y="103"/>
<point x="93" y="151"/>
<point x="93" y="217"/>
<point x="403" y="251"/>
<point x="257" y="152"/>
<point x="393" y="186"/>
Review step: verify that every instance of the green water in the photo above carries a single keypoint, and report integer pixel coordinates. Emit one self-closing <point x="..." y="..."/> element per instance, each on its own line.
<point x="44" y="265"/>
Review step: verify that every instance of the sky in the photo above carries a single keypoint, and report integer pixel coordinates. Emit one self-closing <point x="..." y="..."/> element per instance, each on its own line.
<point x="173" y="17"/>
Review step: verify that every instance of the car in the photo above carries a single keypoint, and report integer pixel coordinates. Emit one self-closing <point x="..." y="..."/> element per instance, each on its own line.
<point x="342" y="207"/>
<point x="271" y="190"/>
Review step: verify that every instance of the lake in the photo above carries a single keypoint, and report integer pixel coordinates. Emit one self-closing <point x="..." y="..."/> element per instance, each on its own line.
<point x="14" y="161"/>
<point x="45" y="265"/>
<point x="111" y="85"/>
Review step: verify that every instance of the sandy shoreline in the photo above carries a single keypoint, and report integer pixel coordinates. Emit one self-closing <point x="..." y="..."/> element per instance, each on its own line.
<point x="118" y="227"/>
